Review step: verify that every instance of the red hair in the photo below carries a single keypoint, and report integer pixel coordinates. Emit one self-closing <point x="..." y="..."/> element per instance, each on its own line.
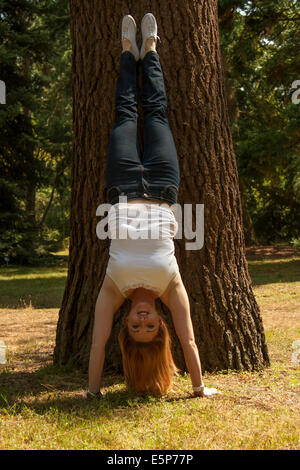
<point x="148" y="367"/>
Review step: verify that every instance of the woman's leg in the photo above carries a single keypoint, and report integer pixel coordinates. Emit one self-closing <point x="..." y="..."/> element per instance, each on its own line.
<point x="160" y="158"/>
<point x="124" y="156"/>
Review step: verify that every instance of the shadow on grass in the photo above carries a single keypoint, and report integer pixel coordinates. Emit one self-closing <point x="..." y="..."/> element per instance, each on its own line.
<point x="62" y="389"/>
<point x="268" y="272"/>
<point x="40" y="292"/>
<point x="41" y="286"/>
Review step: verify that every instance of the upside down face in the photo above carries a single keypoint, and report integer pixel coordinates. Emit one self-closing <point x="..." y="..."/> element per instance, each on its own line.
<point x="143" y="322"/>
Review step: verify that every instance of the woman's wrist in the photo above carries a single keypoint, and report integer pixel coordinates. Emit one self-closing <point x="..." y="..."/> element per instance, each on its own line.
<point x="199" y="388"/>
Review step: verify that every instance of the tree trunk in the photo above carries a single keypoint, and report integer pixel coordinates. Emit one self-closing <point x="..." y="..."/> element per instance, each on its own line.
<point x="226" y="317"/>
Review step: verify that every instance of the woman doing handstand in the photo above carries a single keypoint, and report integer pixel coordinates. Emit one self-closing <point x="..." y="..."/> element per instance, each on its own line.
<point x="143" y="269"/>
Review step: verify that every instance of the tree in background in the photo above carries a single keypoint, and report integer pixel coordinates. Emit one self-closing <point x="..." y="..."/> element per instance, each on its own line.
<point x="259" y="40"/>
<point x="261" y="63"/>
<point x="35" y="122"/>
<point x="225" y="314"/>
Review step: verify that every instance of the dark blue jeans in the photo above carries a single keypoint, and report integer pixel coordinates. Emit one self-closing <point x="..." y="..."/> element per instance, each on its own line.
<point x="155" y="173"/>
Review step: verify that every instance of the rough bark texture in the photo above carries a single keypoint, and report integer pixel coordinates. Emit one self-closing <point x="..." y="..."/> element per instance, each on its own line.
<point x="226" y="317"/>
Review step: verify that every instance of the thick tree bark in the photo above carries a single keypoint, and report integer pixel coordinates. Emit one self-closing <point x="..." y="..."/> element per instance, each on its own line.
<point x="226" y="317"/>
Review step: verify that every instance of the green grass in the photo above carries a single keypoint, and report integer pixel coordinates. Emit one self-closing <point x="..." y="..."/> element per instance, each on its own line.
<point x="41" y="286"/>
<point x="41" y="406"/>
<point x="276" y="271"/>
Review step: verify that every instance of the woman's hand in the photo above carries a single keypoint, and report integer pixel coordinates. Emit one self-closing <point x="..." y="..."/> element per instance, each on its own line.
<point x="205" y="392"/>
<point x="199" y="394"/>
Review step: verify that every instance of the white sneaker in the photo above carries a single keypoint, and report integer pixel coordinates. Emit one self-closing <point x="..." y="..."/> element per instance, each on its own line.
<point x="149" y="29"/>
<point x="129" y="32"/>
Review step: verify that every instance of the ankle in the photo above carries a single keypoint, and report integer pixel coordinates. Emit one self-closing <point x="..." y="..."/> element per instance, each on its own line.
<point x="150" y="45"/>
<point x="126" y="45"/>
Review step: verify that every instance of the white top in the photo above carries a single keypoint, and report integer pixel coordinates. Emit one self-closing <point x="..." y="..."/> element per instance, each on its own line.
<point x="142" y="248"/>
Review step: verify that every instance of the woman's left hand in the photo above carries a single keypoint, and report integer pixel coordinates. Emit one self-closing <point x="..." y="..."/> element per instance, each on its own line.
<point x="199" y="394"/>
<point x="206" y="392"/>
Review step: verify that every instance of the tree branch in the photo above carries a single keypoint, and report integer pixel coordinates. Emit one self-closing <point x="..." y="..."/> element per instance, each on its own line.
<point x="39" y="224"/>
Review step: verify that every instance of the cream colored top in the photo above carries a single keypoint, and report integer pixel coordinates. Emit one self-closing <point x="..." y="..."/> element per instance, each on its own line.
<point x="142" y="248"/>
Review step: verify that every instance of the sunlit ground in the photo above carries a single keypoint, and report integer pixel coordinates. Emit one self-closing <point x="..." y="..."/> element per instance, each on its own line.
<point x="41" y="406"/>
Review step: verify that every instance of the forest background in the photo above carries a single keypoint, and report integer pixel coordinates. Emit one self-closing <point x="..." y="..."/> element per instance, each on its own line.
<point x="262" y="72"/>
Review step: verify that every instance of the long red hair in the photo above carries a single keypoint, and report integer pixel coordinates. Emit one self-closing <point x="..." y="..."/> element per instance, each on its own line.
<point x="148" y="367"/>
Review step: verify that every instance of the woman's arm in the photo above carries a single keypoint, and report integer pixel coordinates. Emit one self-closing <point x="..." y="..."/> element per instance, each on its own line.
<point x="108" y="302"/>
<point x="176" y="299"/>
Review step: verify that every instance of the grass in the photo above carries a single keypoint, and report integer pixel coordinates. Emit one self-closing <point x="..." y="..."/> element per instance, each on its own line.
<point x="40" y="287"/>
<point x="41" y="406"/>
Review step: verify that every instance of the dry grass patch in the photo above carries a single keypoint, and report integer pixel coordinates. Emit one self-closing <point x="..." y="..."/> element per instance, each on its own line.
<point x="41" y="406"/>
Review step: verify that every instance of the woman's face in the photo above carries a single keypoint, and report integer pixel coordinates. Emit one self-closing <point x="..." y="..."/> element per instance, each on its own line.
<point x="143" y="322"/>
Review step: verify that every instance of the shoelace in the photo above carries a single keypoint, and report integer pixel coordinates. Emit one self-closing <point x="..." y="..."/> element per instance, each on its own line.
<point x="155" y="37"/>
